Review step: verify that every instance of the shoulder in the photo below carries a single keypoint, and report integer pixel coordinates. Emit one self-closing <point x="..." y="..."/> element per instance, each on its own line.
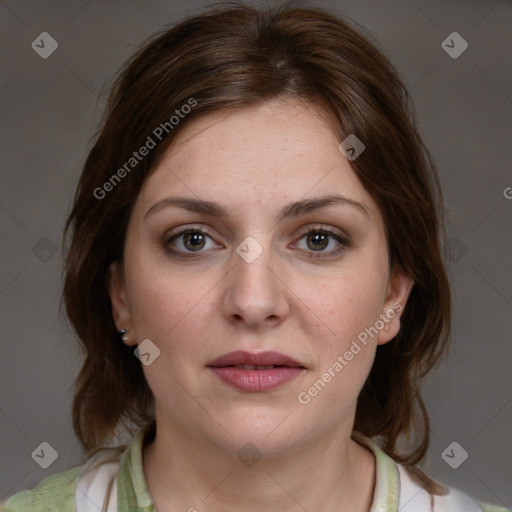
<point x="494" y="508"/>
<point x="413" y="497"/>
<point x="457" y="500"/>
<point x="58" y="493"/>
<point x="398" y="489"/>
<point x="53" y="494"/>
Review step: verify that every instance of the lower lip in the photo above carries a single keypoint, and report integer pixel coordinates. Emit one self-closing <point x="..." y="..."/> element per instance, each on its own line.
<point x="256" y="380"/>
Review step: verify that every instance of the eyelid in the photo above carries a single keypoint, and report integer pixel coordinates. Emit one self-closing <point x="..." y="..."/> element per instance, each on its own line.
<point x="185" y="229"/>
<point x="332" y="230"/>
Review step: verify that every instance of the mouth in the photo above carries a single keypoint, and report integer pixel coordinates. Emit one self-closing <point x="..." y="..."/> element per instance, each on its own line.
<point x="252" y="372"/>
<point x="254" y="367"/>
<point x="251" y="360"/>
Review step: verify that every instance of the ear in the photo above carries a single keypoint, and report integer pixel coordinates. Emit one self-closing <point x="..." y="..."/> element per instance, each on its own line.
<point x="399" y="288"/>
<point x="117" y="291"/>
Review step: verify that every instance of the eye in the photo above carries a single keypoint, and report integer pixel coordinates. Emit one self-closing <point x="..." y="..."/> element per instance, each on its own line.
<point x="318" y="239"/>
<point x="188" y="240"/>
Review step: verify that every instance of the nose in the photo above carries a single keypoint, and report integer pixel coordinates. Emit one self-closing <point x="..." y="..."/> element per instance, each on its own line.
<point x="255" y="294"/>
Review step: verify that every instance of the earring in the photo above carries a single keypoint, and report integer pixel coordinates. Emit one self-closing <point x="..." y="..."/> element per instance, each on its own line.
<point x="386" y="328"/>
<point x="123" y="335"/>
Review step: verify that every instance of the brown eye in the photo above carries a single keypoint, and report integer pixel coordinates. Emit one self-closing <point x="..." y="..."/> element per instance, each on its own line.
<point x="193" y="240"/>
<point x="188" y="241"/>
<point x="317" y="241"/>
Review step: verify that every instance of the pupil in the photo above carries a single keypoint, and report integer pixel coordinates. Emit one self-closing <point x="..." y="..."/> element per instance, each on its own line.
<point x="195" y="240"/>
<point x="320" y="237"/>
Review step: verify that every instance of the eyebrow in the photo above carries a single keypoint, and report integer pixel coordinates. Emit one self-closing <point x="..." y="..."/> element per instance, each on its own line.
<point x="290" y="210"/>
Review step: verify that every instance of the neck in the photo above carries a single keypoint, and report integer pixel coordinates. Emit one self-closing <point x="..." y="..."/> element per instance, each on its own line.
<point x="186" y="472"/>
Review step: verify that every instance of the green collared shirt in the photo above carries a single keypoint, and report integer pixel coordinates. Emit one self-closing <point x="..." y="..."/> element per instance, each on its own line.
<point x="56" y="493"/>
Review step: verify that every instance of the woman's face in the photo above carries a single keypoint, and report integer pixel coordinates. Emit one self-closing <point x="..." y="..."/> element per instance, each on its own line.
<point x="246" y="276"/>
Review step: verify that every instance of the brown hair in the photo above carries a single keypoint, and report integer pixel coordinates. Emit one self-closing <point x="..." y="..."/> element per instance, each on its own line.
<point x="234" y="57"/>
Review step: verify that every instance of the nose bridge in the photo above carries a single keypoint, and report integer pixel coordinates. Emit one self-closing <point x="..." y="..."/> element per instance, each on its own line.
<point x="253" y="266"/>
<point x="255" y="292"/>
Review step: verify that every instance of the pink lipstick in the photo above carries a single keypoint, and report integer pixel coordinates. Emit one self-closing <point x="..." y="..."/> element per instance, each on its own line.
<point x="256" y="372"/>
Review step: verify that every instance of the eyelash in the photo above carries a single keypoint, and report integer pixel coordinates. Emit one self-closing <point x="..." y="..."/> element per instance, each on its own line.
<point x="344" y="242"/>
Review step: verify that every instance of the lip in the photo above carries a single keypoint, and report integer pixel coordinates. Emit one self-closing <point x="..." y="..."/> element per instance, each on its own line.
<point x="254" y="380"/>
<point x="256" y="359"/>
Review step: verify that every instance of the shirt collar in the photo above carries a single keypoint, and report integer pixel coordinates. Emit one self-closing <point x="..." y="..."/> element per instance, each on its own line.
<point x="134" y="495"/>
<point x="387" y="479"/>
<point x="132" y="491"/>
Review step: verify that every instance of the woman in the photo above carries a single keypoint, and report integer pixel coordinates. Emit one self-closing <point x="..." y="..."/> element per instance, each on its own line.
<point x="255" y="272"/>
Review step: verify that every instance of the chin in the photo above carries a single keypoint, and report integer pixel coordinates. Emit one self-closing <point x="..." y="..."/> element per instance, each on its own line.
<point x="267" y="433"/>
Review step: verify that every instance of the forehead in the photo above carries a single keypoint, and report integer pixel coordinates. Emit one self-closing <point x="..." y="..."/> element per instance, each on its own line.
<point x="276" y="152"/>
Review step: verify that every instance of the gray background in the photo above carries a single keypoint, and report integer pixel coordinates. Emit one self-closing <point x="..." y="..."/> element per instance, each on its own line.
<point x="50" y="108"/>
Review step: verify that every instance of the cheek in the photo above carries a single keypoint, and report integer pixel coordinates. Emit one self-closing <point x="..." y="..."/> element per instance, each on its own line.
<point x="171" y="311"/>
<point x="353" y="302"/>
<point x="346" y="349"/>
<point x="164" y="305"/>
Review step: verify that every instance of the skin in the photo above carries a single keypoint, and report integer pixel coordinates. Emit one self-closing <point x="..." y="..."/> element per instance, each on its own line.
<point x="254" y="161"/>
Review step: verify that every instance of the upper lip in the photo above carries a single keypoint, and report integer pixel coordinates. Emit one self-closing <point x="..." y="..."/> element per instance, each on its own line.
<point x="255" y="359"/>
